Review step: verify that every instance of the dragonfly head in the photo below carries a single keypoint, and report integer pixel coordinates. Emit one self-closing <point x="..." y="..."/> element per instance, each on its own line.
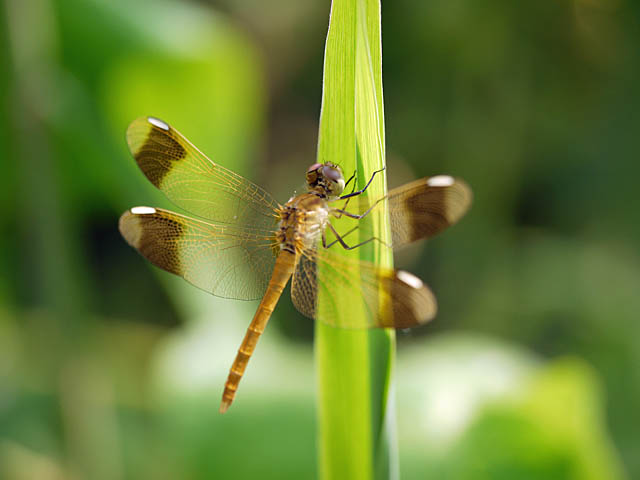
<point x="325" y="179"/>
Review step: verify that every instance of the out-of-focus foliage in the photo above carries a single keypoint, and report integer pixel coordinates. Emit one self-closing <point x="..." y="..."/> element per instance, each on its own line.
<point x="110" y="369"/>
<point x="528" y="423"/>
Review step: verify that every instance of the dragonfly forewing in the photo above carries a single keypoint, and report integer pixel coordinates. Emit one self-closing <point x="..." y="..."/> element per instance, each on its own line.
<point x="194" y="182"/>
<point x="426" y="207"/>
<point x="417" y="210"/>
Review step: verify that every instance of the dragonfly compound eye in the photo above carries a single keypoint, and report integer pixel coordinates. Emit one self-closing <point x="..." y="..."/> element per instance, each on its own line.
<point x="335" y="178"/>
<point x="331" y="173"/>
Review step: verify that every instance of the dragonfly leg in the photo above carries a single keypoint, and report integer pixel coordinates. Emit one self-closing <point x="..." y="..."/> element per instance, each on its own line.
<point x="353" y="194"/>
<point x="338" y="212"/>
<point x="351" y="247"/>
<point x="349" y="181"/>
<point x="324" y="242"/>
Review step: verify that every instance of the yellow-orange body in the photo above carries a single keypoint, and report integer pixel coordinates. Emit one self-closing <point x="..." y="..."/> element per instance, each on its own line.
<point x="302" y="222"/>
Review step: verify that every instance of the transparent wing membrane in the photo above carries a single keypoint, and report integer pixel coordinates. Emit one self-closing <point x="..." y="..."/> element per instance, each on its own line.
<point x="418" y="210"/>
<point x="194" y="182"/>
<point x="232" y="256"/>
<point x="377" y="297"/>
<point x="225" y="260"/>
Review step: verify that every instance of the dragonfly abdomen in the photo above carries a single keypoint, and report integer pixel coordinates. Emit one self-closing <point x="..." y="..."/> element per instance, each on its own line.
<point x="285" y="264"/>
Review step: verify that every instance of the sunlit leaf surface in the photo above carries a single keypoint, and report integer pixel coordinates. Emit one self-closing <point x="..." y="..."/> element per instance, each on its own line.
<point x="354" y="366"/>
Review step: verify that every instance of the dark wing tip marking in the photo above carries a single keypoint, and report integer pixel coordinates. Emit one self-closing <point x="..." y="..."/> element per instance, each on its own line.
<point x="155" y="147"/>
<point x="129" y="226"/>
<point x="413" y="302"/>
<point x="154" y="235"/>
<point x="458" y="196"/>
<point x="436" y="204"/>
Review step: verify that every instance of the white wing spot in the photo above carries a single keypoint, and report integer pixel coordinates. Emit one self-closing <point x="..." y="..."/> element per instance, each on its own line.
<point x="409" y="279"/>
<point x="440" y="181"/>
<point x="158" y="123"/>
<point x="143" y="210"/>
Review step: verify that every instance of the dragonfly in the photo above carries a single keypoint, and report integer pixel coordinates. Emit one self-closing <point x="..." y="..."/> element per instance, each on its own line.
<point x="245" y="245"/>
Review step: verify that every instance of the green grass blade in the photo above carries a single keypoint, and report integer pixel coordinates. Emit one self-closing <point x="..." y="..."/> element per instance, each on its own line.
<point x="354" y="366"/>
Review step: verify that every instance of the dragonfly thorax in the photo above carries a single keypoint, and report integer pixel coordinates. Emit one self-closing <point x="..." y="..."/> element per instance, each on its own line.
<point x="325" y="180"/>
<point x="302" y="221"/>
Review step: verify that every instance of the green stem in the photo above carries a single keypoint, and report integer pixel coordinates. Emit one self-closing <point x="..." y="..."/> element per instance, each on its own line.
<point x="356" y="425"/>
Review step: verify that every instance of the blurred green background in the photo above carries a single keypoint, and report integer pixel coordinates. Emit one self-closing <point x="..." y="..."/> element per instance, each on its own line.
<point x="111" y="369"/>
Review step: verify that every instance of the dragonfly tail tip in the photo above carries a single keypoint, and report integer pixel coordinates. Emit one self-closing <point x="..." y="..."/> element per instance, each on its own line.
<point x="224" y="405"/>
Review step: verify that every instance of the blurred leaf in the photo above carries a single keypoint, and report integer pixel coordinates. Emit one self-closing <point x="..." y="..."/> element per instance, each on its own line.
<point x="552" y="429"/>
